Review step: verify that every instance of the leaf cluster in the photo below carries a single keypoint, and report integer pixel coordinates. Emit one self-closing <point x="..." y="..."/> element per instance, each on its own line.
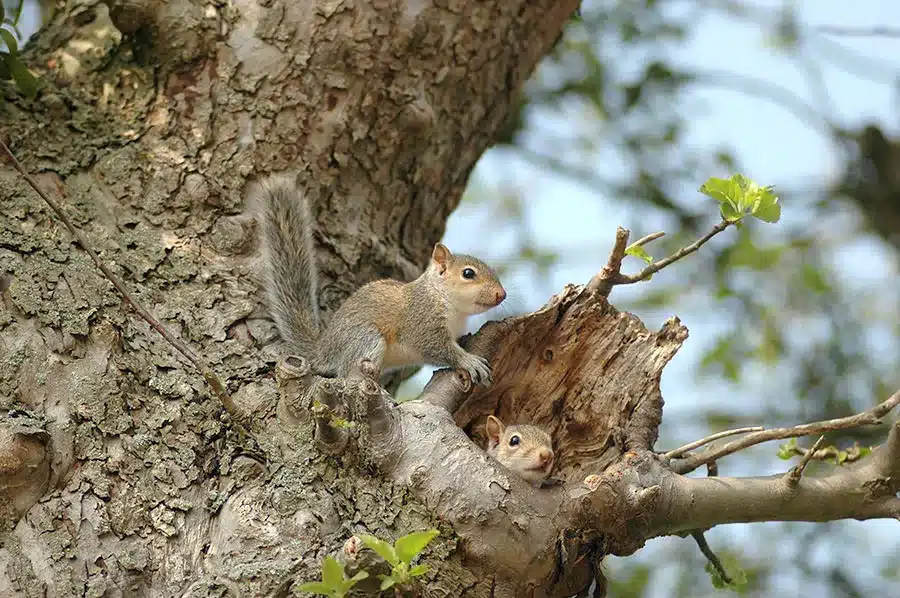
<point x="398" y="555"/>
<point x="335" y="582"/>
<point x="739" y="196"/>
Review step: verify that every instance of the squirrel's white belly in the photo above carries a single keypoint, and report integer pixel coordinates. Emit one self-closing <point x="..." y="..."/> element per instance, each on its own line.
<point x="397" y="356"/>
<point x="457" y="324"/>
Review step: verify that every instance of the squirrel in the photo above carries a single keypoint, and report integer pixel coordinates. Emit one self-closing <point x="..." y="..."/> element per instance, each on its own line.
<point x="392" y="323"/>
<point x="525" y="450"/>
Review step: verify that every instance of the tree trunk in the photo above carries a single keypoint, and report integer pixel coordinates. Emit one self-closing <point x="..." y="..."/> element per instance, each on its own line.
<point x="121" y="474"/>
<point x="151" y="135"/>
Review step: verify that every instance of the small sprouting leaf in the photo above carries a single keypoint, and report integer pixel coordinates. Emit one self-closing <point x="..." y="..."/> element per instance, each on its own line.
<point x="738" y="576"/>
<point x="787" y="450"/>
<point x="638" y="251"/>
<point x="332" y="572"/>
<point x="316" y="587"/>
<point x="387" y="582"/>
<point x="864" y="450"/>
<point x="409" y="546"/>
<point x="418" y="570"/>
<point x="382" y="549"/>
<point x="358" y="577"/>
<point x="841" y="457"/>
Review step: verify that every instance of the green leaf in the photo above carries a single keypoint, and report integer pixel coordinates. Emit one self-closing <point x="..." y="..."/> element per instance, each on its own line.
<point x="739" y="194"/>
<point x="766" y="206"/>
<point x="10" y="40"/>
<point x="864" y="450"/>
<point x="382" y="549"/>
<point x="729" y="212"/>
<point x="359" y="577"/>
<point x="409" y="546"/>
<point x="316" y="587"/>
<point x="725" y="191"/>
<point x="5" y="74"/>
<point x="24" y="79"/>
<point x="418" y="570"/>
<point x="786" y="450"/>
<point x="638" y="251"/>
<point x="332" y="572"/>
<point x="387" y="582"/>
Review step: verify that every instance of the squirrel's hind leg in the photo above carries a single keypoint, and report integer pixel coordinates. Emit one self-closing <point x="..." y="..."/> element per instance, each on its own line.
<point x="357" y="343"/>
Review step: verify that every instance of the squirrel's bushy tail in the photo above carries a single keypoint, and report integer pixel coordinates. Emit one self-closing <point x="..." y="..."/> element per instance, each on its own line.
<point x="291" y="276"/>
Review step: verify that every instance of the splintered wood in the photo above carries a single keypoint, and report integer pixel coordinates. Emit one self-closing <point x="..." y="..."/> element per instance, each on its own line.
<point x="586" y="372"/>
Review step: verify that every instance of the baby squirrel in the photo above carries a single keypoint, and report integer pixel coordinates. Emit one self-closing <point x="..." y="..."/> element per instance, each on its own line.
<point x="525" y="450"/>
<point x="392" y="323"/>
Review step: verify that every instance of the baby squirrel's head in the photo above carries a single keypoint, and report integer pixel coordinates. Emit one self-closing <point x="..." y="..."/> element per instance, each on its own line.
<point x="473" y="286"/>
<point x="525" y="450"/>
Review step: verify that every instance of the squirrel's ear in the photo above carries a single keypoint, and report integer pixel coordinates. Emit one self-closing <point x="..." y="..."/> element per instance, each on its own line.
<point x="494" y="429"/>
<point x="441" y="257"/>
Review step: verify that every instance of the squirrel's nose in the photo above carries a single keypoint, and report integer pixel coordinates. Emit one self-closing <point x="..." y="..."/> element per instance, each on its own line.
<point x="545" y="456"/>
<point x="501" y="295"/>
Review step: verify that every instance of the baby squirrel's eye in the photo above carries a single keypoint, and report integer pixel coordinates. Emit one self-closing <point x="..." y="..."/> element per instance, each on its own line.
<point x="514" y="441"/>
<point x="468" y="273"/>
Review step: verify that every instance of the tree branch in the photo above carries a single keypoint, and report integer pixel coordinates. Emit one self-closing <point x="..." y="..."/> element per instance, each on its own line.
<point x="794" y="475"/>
<point x="640" y="498"/>
<point x="872" y="416"/>
<point x="681" y="450"/>
<point x="611" y="274"/>
<point x="873" y="31"/>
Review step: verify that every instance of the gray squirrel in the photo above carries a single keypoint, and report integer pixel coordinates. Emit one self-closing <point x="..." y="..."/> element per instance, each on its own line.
<point x="392" y="323"/>
<point x="524" y="449"/>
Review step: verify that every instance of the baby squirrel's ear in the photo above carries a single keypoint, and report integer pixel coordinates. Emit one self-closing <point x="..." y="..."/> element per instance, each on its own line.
<point x="494" y="428"/>
<point x="441" y="257"/>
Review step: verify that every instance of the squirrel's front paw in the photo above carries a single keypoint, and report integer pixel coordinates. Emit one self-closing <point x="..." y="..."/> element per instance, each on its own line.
<point x="477" y="367"/>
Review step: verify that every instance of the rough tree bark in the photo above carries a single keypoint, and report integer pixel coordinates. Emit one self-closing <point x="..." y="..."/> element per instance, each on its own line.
<point x="121" y="475"/>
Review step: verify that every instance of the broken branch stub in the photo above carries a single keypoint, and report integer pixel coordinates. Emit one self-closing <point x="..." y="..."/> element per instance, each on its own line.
<point x="586" y="372"/>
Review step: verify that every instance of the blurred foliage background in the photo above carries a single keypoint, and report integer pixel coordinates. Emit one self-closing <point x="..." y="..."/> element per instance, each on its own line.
<point x="638" y="104"/>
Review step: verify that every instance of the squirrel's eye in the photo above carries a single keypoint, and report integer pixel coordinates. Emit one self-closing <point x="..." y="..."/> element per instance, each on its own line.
<point x="514" y="441"/>
<point x="468" y="273"/>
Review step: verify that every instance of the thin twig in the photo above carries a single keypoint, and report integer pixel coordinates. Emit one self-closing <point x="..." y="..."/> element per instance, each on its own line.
<point x="712" y="470"/>
<point x="644" y="240"/>
<point x="793" y="476"/>
<point x="657" y="266"/>
<point x="611" y="274"/>
<point x="681" y="450"/>
<point x="870" y="417"/>
<point x="214" y="382"/>
<point x="710" y="555"/>
<point x="873" y="31"/>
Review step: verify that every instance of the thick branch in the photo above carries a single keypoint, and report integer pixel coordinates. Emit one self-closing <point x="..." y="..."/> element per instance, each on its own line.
<point x="639" y="498"/>
<point x="872" y="416"/>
